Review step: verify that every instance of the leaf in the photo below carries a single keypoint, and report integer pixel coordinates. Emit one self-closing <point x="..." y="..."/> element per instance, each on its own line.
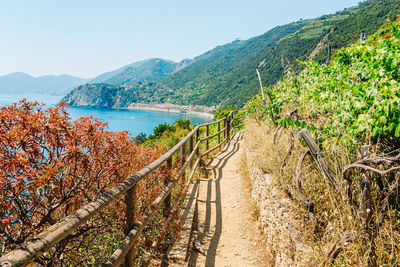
<point x="397" y="132"/>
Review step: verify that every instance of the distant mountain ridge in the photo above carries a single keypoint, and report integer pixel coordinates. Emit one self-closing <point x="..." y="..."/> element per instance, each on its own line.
<point x="153" y="69"/>
<point x="19" y="82"/>
<point x="149" y="70"/>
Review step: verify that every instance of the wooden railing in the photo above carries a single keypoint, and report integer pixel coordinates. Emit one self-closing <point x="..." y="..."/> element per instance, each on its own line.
<point x="125" y="252"/>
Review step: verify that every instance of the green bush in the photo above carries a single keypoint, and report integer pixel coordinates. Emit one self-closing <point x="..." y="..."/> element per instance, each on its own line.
<point x="356" y="97"/>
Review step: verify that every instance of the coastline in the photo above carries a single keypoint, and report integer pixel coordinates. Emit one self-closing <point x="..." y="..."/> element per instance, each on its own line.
<point x="198" y="111"/>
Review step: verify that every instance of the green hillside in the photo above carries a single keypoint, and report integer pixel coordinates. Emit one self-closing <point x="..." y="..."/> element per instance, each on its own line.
<point x="231" y="79"/>
<point x="152" y="70"/>
<point x="350" y="103"/>
<point x="225" y="76"/>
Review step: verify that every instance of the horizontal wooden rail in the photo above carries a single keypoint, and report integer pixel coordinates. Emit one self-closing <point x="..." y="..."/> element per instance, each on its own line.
<point x="59" y="231"/>
<point x="212" y="136"/>
<point x="235" y="127"/>
<point x="239" y="117"/>
<point x="212" y="123"/>
<point x="214" y="148"/>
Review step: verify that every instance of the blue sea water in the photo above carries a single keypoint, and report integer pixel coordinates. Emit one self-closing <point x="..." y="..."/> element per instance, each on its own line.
<point x="118" y="119"/>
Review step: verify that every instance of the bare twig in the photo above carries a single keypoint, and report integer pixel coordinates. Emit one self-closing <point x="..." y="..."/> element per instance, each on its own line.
<point x="263" y="96"/>
<point x="335" y="250"/>
<point x="289" y="152"/>
<point x="274" y="141"/>
<point x="307" y="202"/>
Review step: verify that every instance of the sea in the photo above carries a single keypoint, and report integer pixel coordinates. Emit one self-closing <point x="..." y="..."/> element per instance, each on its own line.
<point x="133" y="121"/>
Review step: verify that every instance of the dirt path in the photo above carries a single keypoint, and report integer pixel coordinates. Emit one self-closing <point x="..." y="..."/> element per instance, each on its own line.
<point x="226" y="230"/>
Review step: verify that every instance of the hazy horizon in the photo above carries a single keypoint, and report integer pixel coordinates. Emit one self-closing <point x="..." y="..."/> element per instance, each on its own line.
<point x="85" y="39"/>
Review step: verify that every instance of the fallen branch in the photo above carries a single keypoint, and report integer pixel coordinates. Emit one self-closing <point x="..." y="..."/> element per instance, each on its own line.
<point x="363" y="164"/>
<point x="307" y="202"/>
<point x="318" y="157"/>
<point x="288" y="153"/>
<point x="335" y="250"/>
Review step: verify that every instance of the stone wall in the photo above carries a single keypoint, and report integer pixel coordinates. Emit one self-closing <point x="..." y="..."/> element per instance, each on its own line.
<point x="281" y="223"/>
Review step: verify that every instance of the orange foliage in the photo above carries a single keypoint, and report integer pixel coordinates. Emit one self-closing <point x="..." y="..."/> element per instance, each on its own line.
<point x="50" y="167"/>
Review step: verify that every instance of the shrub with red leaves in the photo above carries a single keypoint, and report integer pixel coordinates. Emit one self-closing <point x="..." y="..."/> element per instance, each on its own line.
<point x="51" y="166"/>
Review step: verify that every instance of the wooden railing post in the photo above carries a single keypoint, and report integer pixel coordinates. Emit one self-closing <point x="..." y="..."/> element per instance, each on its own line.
<point x="197" y="140"/>
<point x="219" y="135"/>
<point x="182" y="153"/>
<point x="167" y="201"/>
<point x="207" y="134"/>
<point x="225" y="129"/>
<point x="228" y="127"/>
<point x="190" y="151"/>
<point x="131" y="208"/>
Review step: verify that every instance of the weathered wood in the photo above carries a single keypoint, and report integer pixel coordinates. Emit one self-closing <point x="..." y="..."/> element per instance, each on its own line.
<point x="131" y="208"/>
<point x="197" y="141"/>
<point x="211" y="123"/>
<point x="190" y="150"/>
<point x="182" y="160"/>
<point x="274" y="141"/>
<point x="207" y="134"/>
<point x="182" y="170"/>
<point x="365" y="151"/>
<point x="235" y="127"/>
<point x="306" y="201"/>
<point x="212" y="149"/>
<point x="130" y="239"/>
<point x="228" y="127"/>
<point x="194" y="169"/>
<point x="263" y="96"/>
<point x="225" y="128"/>
<point x="219" y="133"/>
<point x="167" y="201"/>
<point x="262" y="89"/>
<point x="335" y="249"/>
<point x="239" y="117"/>
<point x="212" y="136"/>
<point x="317" y="155"/>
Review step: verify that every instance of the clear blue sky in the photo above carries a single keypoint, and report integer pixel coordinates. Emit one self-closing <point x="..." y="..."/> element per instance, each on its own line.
<point x="88" y="37"/>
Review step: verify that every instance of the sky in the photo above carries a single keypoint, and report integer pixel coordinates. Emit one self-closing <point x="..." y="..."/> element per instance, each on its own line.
<point x="88" y="37"/>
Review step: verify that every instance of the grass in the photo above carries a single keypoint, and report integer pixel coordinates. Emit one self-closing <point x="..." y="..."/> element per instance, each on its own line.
<point x="335" y="215"/>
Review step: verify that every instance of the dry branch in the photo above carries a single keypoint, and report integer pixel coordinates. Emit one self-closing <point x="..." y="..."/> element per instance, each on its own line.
<point x="274" y="141"/>
<point x="335" y="250"/>
<point x="307" y="202"/>
<point x="264" y="102"/>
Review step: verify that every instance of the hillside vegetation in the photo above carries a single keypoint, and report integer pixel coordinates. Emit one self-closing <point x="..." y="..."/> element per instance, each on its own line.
<point x="154" y="69"/>
<point x="353" y="101"/>
<point x="225" y="76"/>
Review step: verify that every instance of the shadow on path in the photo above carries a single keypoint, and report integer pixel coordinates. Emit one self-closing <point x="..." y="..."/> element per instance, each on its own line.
<point x="216" y="165"/>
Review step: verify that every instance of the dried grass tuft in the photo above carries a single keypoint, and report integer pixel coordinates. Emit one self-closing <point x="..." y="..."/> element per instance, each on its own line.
<point x="334" y="217"/>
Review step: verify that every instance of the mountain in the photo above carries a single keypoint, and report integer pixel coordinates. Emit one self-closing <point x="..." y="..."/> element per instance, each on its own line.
<point x="19" y="82"/>
<point x="154" y="69"/>
<point x="95" y="95"/>
<point x="225" y="75"/>
<point x="111" y="86"/>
